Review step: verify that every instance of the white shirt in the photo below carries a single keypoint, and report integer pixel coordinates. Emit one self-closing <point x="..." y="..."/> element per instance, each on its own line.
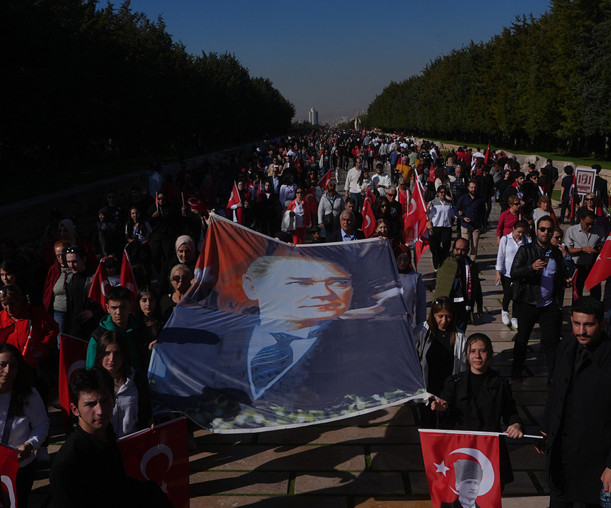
<point x="441" y="213"/>
<point x="507" y="251"/>
<point x="33" y="426"/>
<point x="351" y="184"/>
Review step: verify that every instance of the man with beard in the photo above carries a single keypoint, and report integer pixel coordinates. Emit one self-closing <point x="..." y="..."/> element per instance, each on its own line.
<point x="458" y="279"/>
<point x="577" y="418"/>
<point x="538" y="273"/>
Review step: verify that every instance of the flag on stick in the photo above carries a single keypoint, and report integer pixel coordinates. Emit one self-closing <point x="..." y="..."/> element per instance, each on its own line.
<point x="462" y="465"/>
<point x="601" y="270"/>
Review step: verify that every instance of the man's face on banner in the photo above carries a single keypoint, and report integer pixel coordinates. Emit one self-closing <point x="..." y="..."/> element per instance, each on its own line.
<point x="468" y="489"/>
<point x="300" y="290"/>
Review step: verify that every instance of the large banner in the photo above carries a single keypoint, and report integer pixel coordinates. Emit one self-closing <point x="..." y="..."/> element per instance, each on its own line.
<point x="274" y="336"/>
<point x="462" y="468"/>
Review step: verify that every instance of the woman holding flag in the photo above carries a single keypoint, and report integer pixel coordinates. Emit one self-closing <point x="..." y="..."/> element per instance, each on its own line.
<point x="478" y="398"/>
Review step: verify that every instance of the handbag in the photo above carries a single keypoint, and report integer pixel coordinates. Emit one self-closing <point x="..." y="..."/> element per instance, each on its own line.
<point x="288" y="222"/>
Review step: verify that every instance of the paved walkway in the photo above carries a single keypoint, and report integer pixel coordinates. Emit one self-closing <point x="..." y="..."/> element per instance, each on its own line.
<point x="367" y="461"/>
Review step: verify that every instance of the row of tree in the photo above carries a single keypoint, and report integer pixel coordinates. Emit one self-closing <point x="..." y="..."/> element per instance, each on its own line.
<point x="542" y="83"/>
<point x="82" y="81"/>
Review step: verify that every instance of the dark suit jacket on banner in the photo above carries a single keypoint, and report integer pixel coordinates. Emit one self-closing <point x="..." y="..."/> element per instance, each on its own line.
<point x="209" y="367"/>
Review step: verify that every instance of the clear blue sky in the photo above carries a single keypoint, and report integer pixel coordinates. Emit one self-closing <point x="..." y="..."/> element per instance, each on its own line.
<point x="335" y="56"/>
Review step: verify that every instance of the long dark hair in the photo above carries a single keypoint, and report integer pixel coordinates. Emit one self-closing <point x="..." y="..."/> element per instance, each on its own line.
<point x="437" y="306"/>
<point x="112" y="337"/>
<point x="157" y="323"/>
<point x="22" y="386"/>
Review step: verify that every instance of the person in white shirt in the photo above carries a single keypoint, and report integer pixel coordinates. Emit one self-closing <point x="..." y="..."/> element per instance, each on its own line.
<point x="354" y="180"/>
<point x="440" y="212"/>
<point x="380" y="180"/>
<point x="508" y="246"/>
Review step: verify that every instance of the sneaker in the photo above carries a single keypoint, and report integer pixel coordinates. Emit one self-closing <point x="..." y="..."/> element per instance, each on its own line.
<point x="514" y="323"/>
<point x="505" y="317"/>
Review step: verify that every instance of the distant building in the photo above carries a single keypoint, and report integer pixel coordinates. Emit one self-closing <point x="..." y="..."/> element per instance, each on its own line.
<point x="313" y="116"/>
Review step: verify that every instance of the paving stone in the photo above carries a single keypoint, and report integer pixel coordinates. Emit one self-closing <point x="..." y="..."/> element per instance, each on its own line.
<point x="521" y="485"/>
<point x="543" y="481"/>
<point x="365" y="483"/>
<point x="397" y="457"/>
<point x="526" y="502"/>
<point x="379" y="502"/>
<point x="326" y="435"/>
<point x="260" y="457"/>
<point x="418" y="483"/>
<point x="205" y="483"/>
<point x="271" y="502"/>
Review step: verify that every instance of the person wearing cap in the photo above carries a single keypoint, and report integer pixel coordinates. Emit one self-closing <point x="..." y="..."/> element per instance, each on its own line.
<point x="469" y="475"/>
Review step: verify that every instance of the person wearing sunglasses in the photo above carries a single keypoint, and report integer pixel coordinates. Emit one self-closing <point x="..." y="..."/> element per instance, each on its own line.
<point x="180" y="279"/>
<point x="584" y="241"/>
<point x="539" y="275"/>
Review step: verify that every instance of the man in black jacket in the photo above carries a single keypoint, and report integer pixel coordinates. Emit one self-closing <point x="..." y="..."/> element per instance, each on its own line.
<point x="577" y="418"/>
<point x="347" y="231"/>
<point x="88" y="469"/>
<point x="539" y="275"/>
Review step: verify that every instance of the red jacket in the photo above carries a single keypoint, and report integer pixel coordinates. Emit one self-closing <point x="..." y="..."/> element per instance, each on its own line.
<point x="34" y="333"/>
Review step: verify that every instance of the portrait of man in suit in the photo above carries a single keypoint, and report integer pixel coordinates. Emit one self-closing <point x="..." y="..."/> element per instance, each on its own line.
<point x="469" y="476"/>
<point x="296" y="337"/>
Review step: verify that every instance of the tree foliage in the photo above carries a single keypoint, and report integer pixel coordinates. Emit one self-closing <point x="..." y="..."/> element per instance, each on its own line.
<point x="83" y="81"/>
<point x="541" y="83"/>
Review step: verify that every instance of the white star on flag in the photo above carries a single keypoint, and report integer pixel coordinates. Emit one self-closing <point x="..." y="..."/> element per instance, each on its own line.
<point x="441" y="468"/>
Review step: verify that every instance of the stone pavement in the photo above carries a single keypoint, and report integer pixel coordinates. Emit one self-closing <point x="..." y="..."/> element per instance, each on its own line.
<point x="372" y="460"/>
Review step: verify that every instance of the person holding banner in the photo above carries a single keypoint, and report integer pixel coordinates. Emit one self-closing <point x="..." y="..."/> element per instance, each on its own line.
<point x="299" y="209"/>
<point x="441" y="349"/>
<point x="88" y="468"/>
<point x="180" y="279"/>
<point x="23" y="417"/>
<point x="479" y="399"/>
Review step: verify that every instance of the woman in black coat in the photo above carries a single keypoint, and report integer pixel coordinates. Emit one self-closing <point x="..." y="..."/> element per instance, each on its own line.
<point x="479" y="398"/>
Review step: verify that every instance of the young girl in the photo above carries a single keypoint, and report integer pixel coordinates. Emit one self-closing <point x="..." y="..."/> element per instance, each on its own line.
<point x="113" y="356"/>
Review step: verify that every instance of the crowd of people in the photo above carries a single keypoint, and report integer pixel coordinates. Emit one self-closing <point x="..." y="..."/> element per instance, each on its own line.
<point x="290" y="189"/>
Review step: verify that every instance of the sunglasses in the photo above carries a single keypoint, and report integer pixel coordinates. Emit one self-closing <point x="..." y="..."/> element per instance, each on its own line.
<point x="544" y="229"/>
<point x="588" y="224"/>
<point x="178" y="278"/>
<point x="589" y="199"/>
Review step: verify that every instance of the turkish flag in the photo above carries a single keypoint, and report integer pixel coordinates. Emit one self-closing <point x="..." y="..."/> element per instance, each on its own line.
<point x="415" y="222"/>
<point x="234" y="197"/>
<point x="127" y="277"/>
<point x="369" y="218"/>
<point x="311" y="200"/>
<point x="462" y="464"/>
<point x="487" y="156"/>
<point x="99" y="285"/>
<point x="403" y="201"/>
<point x="194" y="202"/>
<point x="160" y="454"/>
<point x="324" y="180"/>
<point x="72" y="355"/>
<point x="9" y="464"/>
<point x="602" y="267"/>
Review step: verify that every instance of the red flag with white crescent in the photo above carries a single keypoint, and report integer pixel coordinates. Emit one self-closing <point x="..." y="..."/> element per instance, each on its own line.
<point x="234" y="197"/>
<point x="72" y="355"/>
<point x="403" y="201"/>
<point x="194" y="202"/>
<point x="127" y="277"/>
<point x="9" y="465"/>
<point x="369" y="218"/>
<point x="311" y="200"/>
<point x="100" y="285"/>
<point x="487" y="156"/>
<point x="601" y="270"/>
<point x="160" y="454"/>
<point x="324" y="180"/>
<point x="462" y="465"/>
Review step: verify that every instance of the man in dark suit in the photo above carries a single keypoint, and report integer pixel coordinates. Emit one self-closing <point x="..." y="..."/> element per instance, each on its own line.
<point x="347" y="231"/>
<point x="306" y="351"/>
<point x="469" y="477"/>
<point x="577" y="418"/>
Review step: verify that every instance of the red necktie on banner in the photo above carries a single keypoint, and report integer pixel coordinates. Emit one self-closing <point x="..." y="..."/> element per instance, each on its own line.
<point x="99" y="285"/>
<point x="72" y="355"/>
<point x="601" y="270"/>
<point x="462" y="464"/>
<point x="161" y="455"/>
<point x="9" y="464"/>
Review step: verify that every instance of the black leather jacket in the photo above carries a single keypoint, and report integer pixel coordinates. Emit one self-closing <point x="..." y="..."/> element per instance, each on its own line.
<point x="527" y="281"/>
